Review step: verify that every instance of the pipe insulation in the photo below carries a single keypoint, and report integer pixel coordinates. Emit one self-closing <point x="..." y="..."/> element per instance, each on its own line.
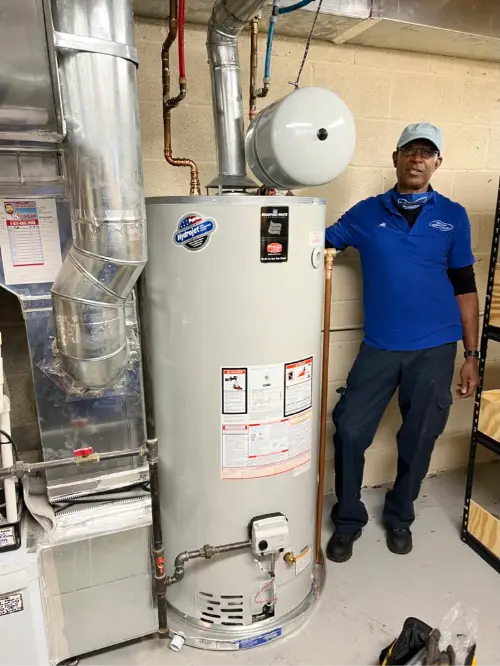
<point x="228" y="19"/>
<point x="97" y="65"/>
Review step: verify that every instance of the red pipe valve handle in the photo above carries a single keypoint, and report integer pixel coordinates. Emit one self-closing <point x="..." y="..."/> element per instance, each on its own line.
<point x="83" y="452"/>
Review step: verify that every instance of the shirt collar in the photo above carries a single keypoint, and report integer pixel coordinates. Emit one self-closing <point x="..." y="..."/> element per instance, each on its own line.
<point x="387" y="200"/>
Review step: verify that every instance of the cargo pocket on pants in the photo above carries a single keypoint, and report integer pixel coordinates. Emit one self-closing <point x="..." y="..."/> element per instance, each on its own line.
<point x="444" y="403"/>
<point x="338" y="407"/>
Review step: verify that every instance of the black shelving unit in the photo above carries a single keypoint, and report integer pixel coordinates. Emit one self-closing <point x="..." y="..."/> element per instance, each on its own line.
<point x="490" y="334"/>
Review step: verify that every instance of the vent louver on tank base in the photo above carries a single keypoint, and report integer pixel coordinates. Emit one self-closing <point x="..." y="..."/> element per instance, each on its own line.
<point x="225" y="609"/>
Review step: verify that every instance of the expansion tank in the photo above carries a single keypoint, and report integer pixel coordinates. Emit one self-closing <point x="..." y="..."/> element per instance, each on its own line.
<point x="235" y="290"/>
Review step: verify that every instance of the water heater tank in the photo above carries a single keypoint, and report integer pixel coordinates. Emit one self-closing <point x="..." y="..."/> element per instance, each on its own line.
<point x="303" y="140"/>
<point x="234" y="293"/>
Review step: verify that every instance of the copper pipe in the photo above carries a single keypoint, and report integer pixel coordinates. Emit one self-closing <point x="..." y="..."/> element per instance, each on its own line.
<point x="329" y="258"/>
<point x="170" y="103"/>
<point x="254" y="60"/>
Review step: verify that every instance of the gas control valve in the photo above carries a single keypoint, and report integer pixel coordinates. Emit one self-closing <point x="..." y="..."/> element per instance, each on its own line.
<point x="269" y="533"/>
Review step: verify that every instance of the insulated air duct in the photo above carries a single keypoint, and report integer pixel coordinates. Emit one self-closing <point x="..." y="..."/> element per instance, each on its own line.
<point x="228" y="19"/>
<point x="97" y="68"/>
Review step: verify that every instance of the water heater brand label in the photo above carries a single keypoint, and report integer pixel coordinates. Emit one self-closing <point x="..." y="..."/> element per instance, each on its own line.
<point x="274" y="233"/>
<point x="194" y="231"/>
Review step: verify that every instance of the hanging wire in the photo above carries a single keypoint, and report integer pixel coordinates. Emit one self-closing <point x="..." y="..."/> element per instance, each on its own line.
<point x="11" y="442"/>
<point x="295" y="83"/>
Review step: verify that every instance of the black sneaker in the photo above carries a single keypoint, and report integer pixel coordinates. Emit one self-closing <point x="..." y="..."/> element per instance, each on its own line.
<point x="339" y="548"/>
<point x="399" y="541"/>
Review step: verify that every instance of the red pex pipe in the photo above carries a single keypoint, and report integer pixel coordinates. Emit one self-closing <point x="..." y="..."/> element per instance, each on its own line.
<point x="180" y="41"/>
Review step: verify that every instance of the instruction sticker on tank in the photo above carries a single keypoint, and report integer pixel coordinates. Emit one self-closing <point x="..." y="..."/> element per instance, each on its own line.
<point x="258" y="437"/>
<point x="11" y="603"/>
<point x="266" y="449"/>
<point x="265" y="400"/>
<point x="302" y="560"/>
<point x="274" y="233"/>
<point x="298" y="386"/>
<point x="316" y="238"/>
<point x="234" y="391"/>
<point x="29" y="241"/>
<point x="194" y="231"/>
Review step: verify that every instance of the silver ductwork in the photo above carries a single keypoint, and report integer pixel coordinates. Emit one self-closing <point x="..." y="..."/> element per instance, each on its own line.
<point x="461" y="28"/>
<point x="97" y="69"/>
<point x="228" y="19"/>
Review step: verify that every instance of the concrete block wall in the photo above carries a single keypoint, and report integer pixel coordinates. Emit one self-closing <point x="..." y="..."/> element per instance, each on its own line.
<point x="385" y="90"/>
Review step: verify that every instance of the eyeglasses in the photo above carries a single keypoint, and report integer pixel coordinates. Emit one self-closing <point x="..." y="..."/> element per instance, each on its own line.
<point x="411" y="151"/>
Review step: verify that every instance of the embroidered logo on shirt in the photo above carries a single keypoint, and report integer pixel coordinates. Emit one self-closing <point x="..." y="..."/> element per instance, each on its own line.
<point x="383" y="224"/>
<point x="442" y="226"/>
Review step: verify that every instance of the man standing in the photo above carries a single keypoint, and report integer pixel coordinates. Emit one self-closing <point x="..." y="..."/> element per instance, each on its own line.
<point x="419" y="299"/>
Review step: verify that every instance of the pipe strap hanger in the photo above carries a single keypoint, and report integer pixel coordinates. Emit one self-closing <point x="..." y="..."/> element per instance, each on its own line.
<point x="69" y="42"/>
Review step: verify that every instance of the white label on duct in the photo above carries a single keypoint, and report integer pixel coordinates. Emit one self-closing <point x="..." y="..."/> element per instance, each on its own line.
<point x="316" y="238"/>
<point x="259" y="436"/>
<point x="298" y="386"/>
<point x="29" y="240"/>
<point x="302" y="560"/>
<point x="7" y="537"/>
<point x="12" y="603"/>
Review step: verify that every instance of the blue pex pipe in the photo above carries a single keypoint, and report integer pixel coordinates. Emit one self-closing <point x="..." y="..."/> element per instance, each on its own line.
<point x="269" y="51"/>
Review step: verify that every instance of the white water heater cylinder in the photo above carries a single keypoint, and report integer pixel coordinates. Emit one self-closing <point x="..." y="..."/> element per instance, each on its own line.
<point x="235" y="293"/>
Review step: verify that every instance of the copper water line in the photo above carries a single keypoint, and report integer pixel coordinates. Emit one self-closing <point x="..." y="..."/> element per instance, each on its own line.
<point x="170" y="103"/>
<point x="254" y="45"/>
<point x="329" y="258"/>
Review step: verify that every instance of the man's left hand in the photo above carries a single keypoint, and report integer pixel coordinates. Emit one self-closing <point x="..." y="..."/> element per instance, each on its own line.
<point x="469" y="378"/>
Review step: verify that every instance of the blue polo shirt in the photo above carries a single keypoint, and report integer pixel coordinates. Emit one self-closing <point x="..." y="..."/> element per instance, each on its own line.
<point x="408" y="299"/>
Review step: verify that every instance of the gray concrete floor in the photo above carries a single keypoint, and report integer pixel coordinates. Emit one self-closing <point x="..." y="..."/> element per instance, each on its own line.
<point x="366" y="600"/>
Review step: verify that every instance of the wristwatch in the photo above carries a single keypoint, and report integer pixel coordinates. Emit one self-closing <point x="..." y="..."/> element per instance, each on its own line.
<point x="472" y="352"/>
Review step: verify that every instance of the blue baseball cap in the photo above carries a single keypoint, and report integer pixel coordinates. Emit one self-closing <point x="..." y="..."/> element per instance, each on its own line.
<point x="421" y="131"/>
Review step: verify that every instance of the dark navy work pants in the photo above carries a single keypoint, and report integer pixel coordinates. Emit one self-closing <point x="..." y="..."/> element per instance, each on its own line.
<point x="423" y="379"/>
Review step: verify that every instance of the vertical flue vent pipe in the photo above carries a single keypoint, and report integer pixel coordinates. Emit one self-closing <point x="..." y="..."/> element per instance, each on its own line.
<point x="97" y="68"/>
<point x="228" y="19"/>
